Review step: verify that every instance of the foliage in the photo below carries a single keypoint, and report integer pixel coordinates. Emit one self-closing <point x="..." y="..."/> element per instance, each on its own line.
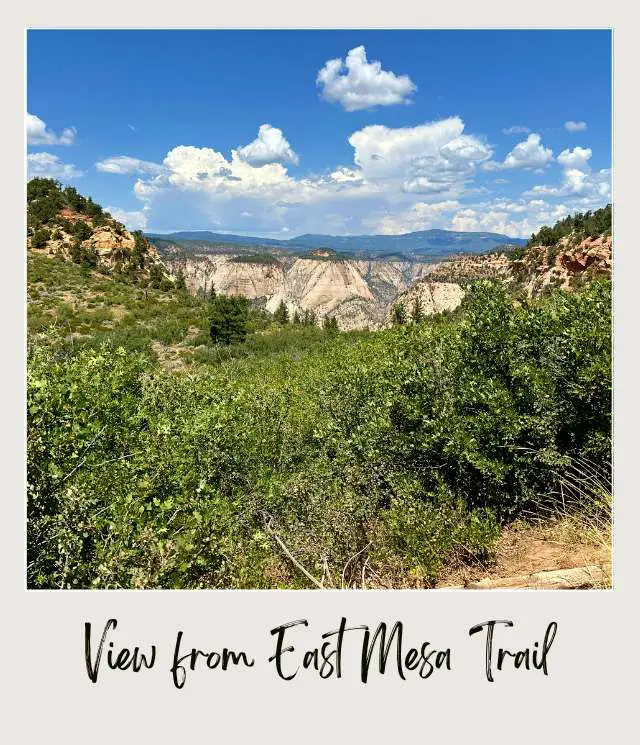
<point x="229" y="316"/>
<point x="255" y="258"/>
<point x="281" y="314"/>
<point x="40" y="238"/>
<point x="398" y="314"/>
<point x="330" y="323"/>
<point x="582" y="225"/>
<point x="378" y="456"/>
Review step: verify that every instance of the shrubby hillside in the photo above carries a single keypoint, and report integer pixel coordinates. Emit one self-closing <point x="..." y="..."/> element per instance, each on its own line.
<point x="61" y="222"/>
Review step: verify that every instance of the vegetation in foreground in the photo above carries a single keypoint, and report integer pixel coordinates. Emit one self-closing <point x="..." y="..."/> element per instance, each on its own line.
<point x="343" y="460"/>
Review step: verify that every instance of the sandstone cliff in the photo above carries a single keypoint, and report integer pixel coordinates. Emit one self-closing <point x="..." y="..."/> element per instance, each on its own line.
<point x="357" y="293"/>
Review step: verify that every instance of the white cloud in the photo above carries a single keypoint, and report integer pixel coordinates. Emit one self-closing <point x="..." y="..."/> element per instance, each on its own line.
<point x="516" y="218"/>
<point x="134" y="220"/>
<point x="202" y="188"/>
<point x="577" y="178"/>
<point x="430" y="158"/>
<point x="530" y="153"/>
<point x="270" y="146"/>
<point x="516" y="129"/>
<point x="123" y="164"/>
<point x="578" y="183"/>
<point x="575" y="126"/>
<point x="38" y="134"/>
<point x="46" y="165"/>
<point x="357" y="84"/>
<point x="420" y="216"/>
<point x="576" y="158"/>
<point x="343" y="175"/>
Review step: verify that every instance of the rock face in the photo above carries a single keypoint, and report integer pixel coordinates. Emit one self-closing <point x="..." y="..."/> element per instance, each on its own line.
<point x="112" y="245"/>
<point x="430" y="297"/>
<point x="563" y="265"/>
<point x="356" y="293"/>
<point x="361" y="293"/>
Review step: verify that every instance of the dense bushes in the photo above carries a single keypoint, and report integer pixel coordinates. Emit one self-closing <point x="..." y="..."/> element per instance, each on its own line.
<point x="382" y="458"/>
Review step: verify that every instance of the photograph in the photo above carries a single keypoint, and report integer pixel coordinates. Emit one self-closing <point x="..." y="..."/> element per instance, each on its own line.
<point x="318" y="309"/>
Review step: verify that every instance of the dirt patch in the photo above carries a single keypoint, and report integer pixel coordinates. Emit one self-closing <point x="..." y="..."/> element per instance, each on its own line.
<point x="523" y="552"/>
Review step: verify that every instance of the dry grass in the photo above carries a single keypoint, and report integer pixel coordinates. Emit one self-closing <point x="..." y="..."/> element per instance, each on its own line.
<point x="571" y="530"/>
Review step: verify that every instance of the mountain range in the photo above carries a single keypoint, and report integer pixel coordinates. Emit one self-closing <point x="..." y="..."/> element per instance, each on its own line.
<point x="426" y="244"/>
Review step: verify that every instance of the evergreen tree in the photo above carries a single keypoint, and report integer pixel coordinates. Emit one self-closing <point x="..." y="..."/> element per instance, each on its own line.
<point x="398" y="314"/>
<point x="296" y="318"/>
<point x="40" y="238"/>
<point x="282" y="314"/>
<point x="228" y="319"/>
<point x="330" y="323"/>
<point x="180" y="283"/>
<point x="140" y="249"/>
<point x="416" y="310"/>
<point x="156" y="275"/>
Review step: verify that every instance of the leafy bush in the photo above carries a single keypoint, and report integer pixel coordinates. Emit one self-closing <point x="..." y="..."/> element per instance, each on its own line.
<point x="382" y="456"/>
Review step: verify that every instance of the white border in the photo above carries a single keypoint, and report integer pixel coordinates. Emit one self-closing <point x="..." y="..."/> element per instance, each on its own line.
<point x="587" y="695"/>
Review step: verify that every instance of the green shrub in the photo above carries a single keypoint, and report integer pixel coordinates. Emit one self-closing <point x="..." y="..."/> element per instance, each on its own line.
<point x="381" y="455"/>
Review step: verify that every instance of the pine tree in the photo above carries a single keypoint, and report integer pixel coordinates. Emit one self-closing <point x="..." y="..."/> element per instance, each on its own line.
<point x="398" y="314"/>
<point x="416" y="311"/>
<point x="228" y="317"/>
<point x="180" y="281"/>
<point x="296" y="318"/>
<point x="282" y="314"/>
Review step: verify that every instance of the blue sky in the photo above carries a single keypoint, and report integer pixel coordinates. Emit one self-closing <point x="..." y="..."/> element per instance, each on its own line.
<point x="286" y="132"/>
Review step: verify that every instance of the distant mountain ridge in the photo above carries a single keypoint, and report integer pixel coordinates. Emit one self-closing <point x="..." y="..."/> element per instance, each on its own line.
<point x="434" y="243"/>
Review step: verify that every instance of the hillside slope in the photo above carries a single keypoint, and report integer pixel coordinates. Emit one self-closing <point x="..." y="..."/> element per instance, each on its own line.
<point x="62" y="222"/>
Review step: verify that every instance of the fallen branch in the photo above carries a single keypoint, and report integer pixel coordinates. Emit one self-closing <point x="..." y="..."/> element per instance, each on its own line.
<point x="310" y="577"/>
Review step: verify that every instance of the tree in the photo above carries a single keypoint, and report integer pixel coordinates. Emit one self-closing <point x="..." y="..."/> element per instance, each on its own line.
<point x="40" y="238"/>
<point x="296" y="318"/>
<point x="416" y="310"/>
<point x="282" y="314"/>
<point x="81" y="230"/>
<point x="156" y="275"/>
<point x="228" y="317"/>
<point x="139" y="249"/>
<point x="180" y="284"/>
<point x="398" y="314"/>
<point x="330" y="323"/>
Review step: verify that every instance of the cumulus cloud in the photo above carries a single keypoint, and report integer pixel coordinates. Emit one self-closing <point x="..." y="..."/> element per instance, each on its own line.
<point x="530" y="153"/>
<point x="577" y="179"/>
<point x="133" y="220"/>
<point x="516" y="218"/>
<point x="46" y="165"/>
<point x="576" y="158"/>
<point x="270" y="146"/>
<point x="430" y="158"/>
<point x="357" y="84"/>
<point x="343" y="175"/>
<point x="575" y="126"/>
<point x="579" y="183"/>
<point x="39" y="134"/>
<point x="420" y="216"/>
<point x="401" y="179"/>
<point x="516" y="129"/>
<point x="124" y="164"/>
